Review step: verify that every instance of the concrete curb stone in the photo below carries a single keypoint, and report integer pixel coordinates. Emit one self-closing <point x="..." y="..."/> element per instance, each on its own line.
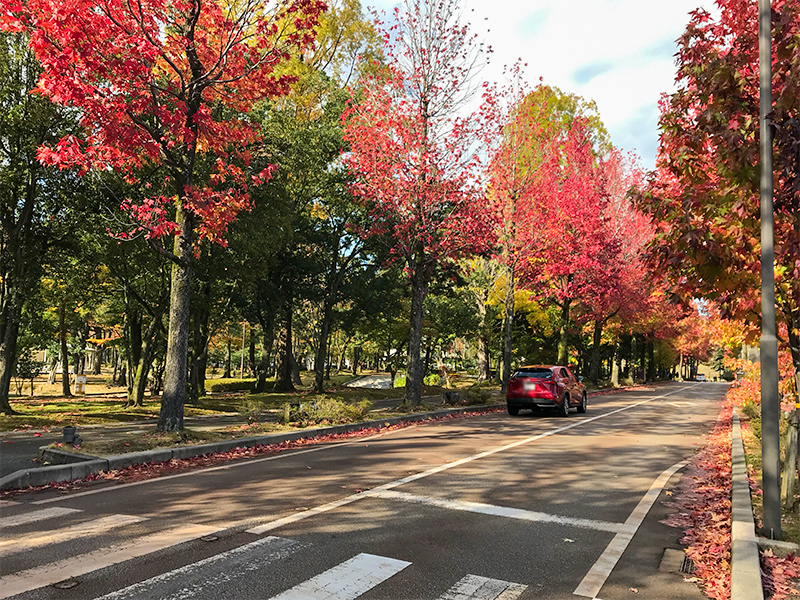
<point x="92" y="465"/>
<point x="745" y="561"/>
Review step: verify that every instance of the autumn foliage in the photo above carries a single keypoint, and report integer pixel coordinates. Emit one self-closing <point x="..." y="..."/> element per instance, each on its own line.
<point x="165" y="82"/>
<point x="704" y="195"/>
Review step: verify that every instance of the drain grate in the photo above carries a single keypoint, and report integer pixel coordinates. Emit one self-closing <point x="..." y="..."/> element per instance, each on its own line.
<point x="687" y="566"/>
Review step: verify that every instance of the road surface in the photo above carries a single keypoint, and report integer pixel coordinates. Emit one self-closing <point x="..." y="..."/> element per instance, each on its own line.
<point x="491" y="507"/>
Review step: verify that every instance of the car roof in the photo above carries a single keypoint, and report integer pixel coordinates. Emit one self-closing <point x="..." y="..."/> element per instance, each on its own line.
<point x="540" y="367"/>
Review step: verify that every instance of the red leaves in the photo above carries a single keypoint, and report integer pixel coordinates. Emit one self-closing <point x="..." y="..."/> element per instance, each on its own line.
<point x="704" y="506"/>
<point x="415" y="163"/>
<point x="145" y="90"/>
<point x="152" y="470"/>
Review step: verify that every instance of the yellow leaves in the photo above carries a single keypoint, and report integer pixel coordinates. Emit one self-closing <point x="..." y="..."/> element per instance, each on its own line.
<point x="318" y="211"/>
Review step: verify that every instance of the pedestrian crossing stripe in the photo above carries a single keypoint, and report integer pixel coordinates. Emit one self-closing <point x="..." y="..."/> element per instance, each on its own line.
<point x="37" y="515"/>
<point x="473" y="587"/>
<point x="216" y="571"/>
<point x="346" y="581"/>
<point x="16" y="544"/>
<point x="31" y="579"/>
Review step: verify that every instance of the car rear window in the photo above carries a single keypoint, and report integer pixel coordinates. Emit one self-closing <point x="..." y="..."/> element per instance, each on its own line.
<point x="534" y="373"/>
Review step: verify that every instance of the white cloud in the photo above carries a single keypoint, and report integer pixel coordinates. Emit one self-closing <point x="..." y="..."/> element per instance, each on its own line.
<point x="616" y="52"/>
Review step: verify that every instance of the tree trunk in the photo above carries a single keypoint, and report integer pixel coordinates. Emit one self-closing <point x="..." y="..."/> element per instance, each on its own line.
<point x="651" y="359"/>
<point x="227" y="373"/>
<point x="267" y="333"/>
<point x="199" y="345"/>
<point x="133" y="344"/>
<point x="508" y="328"/>
<point x="145" y="363"/>
<point x="421" y="271"/>
<point x="615" y="365"/>
<point x="251" y="355"/>
<point x="356" y="359"/>
<point x="642" y="358"/>
<point x="563" y="350"/>
<point x="62" y="335"/>
<point x="51" y="374"/>
<point x="174" y="396"/>
<point x="295" y="371"/>
<point x="283" y="375"/>
<point x="9" y="334"/>
<point x="321" y="356"/>
<point x="428" y="356"/>
<point x="597" y="338"/>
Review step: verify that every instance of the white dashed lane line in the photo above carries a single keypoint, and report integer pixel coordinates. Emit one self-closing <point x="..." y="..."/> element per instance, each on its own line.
<point x="499" y="511"/>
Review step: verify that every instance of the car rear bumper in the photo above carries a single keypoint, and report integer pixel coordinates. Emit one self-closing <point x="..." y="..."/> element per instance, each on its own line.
<point x="523" y="402"/>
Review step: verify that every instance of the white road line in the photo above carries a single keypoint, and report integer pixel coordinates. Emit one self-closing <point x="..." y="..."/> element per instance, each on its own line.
<point x="13" y="545"/>
<point x="499" y="511"/>
<point x="255" y="461"/>
<point x="37" y="515"/>
<point x="270" y="525"/>
<point x="280" y="455"/>
<point x="473" y="587"/>
<point x="214" y="572"/>
<point x="596" y="577"/>
<point x="7" y="503"/>
<point x="31" y="579"/>
<point x="346" y="581"/>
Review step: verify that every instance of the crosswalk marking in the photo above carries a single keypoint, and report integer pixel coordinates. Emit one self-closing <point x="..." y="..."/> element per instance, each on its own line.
<point x="212" y="575"/>
<point x="37" y="515"/>
<point x="498" y="511"/>
<point x="346" y="581"/>
<point x="473" y="587"/>
<point x="13" y="545"/>
<point x="31" y="579"/>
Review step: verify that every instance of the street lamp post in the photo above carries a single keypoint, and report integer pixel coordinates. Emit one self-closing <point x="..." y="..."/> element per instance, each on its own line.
<point x="770" y="398"/>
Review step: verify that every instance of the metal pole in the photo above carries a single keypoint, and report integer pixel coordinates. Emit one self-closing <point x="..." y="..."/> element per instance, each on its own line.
<point x="770" y="398"/>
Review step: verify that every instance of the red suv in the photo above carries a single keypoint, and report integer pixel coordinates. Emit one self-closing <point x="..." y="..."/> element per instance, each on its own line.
<point x="536" y="387"/>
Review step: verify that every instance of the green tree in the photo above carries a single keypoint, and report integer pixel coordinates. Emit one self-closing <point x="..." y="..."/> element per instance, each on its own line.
<point x="30" y="203"/>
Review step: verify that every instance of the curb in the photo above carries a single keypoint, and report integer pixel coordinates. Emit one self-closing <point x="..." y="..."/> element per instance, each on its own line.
<point x="92" y="465"/>
<point x="745" y="561"/>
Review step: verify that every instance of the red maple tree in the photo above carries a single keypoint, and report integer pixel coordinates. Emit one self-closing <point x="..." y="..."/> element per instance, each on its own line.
<point x="169" y="83"/>
<point x="523" y="146"/>
<point x="414" y="158"/>
<point x="704" y="196"/>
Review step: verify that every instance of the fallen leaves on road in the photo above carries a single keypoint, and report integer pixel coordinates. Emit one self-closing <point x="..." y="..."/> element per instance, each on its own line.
<point x="152" y="470"/>
<point x="703" y="499"/>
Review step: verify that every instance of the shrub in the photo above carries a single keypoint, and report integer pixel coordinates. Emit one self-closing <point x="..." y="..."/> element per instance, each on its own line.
<point x="400" y="381"/>
<point x="432" y="379"/>
<point x="253" y="410"/>
<point x="476" y="395"/>
<point x="233" y="385"/>
<point x="325" y="411"/>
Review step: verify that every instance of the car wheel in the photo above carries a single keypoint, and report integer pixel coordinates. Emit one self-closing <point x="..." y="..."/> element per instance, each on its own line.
<point x="513" y="410"/>
<point x="582" y="407"/>
<point x="563" y="410"/>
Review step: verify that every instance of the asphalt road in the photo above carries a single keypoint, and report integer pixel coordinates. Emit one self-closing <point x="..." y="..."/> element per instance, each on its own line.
<point x="491" y="507"/>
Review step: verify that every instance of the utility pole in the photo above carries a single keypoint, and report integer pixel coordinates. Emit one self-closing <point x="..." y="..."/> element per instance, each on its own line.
<point x="770" y="397"/>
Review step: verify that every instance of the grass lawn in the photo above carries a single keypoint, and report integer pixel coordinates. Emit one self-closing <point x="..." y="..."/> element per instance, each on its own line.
<point x="106" y="404"/>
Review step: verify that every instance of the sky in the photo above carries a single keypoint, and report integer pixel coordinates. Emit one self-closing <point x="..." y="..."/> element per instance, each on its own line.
<point x="619" y="53"/>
